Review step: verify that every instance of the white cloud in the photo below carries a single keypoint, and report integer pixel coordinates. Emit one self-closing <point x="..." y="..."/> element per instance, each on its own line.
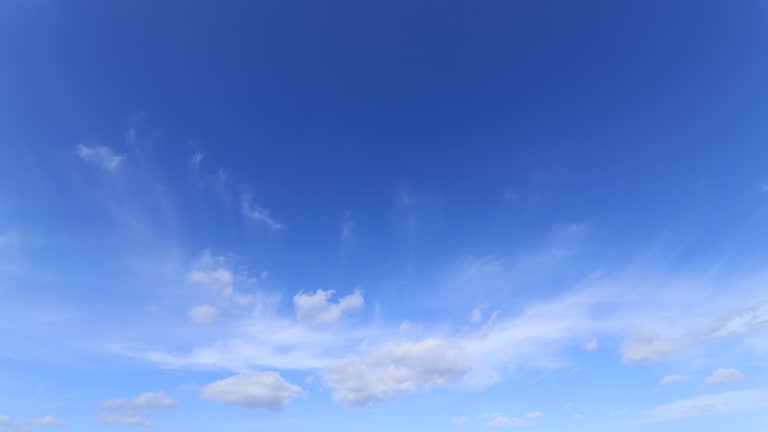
<point x="500" y="420"/>
<point x="101" y="156"/>
<point x="743" y="322"/>
<point x="734" y="402"/>
<point x="203" y="314"/>
<point x="408" y="326"/>
<point x="136" y="411"/>
<point x="674" y="379"/>
<point x="393" y="369"/>
<point x="46" y="421"/>
<point x="196" y="159"/>
<point x="219" y="279"/>
<point x="152" y="401"/>
<point x="266" y="390"/>
<point x="264" y="340"/>
<point x="647" y="348"/>
<point x="347" y="226"/>
<point x="214" y="273"/>
<point x="124" y="418"/>
<point x="258" y="214"/>
<point x="317" y="308"/>
<point x="460" y="420"/>
<point x="477" y="315"/>
<point x="724" y="376"/>
<point x="8" y="423"/>
<point x="591" y="346"/>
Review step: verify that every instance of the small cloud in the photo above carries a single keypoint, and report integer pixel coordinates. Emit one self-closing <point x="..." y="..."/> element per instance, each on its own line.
<point x="347" y="226"/>
<point x="674" y="379"/>
<point x="46" y="421"/>
<point x="644" y="349"/>
<point x="152" y="401"/>
<point x="724" y="376"/>
<point x="219" y="279"/>
<point x="258" y="214"/>
<point x="125" y="419"/>
<point x="203" y="314"/>
<point x="735" y="402"/>
<point x="460" y="420"/>
<point x="317" y="308"/>
<point x="510" y="194"/>
<point x="591" y="346"/>
<point x="196" y="159"/>
<point x="10" y="424"/>
<point x="101" y="156"/>
<point x="477" y="315"/>
<point x="500" y="420"/>
<point x="213" y="273"/>
<point x="135" y="412"/>
<point x="410" y="326"/>
<point x="577" y="417"/>
<point x="267" y="390"/>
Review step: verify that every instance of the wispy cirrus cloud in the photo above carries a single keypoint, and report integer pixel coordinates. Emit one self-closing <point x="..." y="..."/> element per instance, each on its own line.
<point x="7" y="423"/>
<point x="502" y="420"/>
<point x="101" y="156"/>
<point x="258" y="214"/>
<point x="735" y="402"/>
<point x="674" y="379"/>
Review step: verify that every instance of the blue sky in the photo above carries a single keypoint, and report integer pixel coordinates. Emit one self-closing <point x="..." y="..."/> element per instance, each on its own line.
<point x="417" y="216"/>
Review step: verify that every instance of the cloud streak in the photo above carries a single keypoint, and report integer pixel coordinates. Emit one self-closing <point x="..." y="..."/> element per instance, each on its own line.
<point x="101" y="156"/>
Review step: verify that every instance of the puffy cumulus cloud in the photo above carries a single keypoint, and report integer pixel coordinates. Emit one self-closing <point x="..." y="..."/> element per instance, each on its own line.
<point x="267" y="390"/>
<point x="124" y="419"/>
<point x="318" y="308"/>
<point x="735" y="402"/>
<point x="203" y="314"/>
<point x="724" y="376"/>
<point x="101" y="156"/>
<point x="258" y="214"/>
<point x="393" y="369"/>
<point x="674" y="379"/>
